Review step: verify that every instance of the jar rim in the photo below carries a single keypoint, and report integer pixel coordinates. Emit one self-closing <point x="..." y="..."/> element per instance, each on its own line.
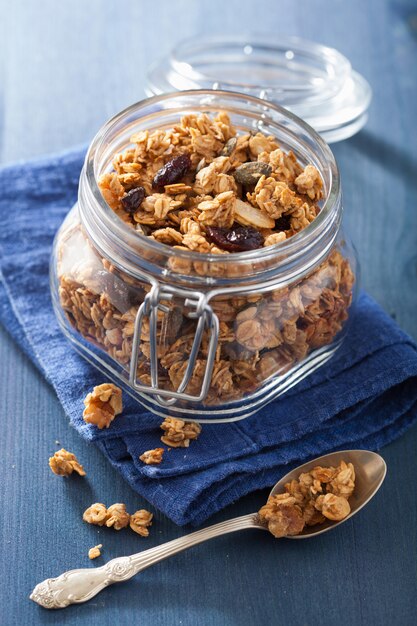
<point x="113" y="226"/>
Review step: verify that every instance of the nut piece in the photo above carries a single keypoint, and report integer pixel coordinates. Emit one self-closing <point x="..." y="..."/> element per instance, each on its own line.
<point x="248" y="215"/>
<point x="96" y="514"/>
<point x="152" y="457"/>
<point x="179" y="433"/>
<point x="102" y="405"/>
<point x="333" y="507"/>
<point x="93" y="553"/>
<point x="117" y="516"/>
<point x="64" y="463"/>
<point x="139" y="522"/>
<point x="283" y="515"/>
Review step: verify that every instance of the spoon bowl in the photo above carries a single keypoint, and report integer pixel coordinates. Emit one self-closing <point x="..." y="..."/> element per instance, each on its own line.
<point x="370" y="471"/>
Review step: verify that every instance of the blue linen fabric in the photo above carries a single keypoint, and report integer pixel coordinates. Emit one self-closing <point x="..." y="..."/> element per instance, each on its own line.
<point x="365" y="397"/>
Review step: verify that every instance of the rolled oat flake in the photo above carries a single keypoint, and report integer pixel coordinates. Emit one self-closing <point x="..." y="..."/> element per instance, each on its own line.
<point x="315" y="82"/>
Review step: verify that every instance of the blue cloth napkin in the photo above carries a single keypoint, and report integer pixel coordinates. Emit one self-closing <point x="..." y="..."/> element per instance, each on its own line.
<point x="365" y="397"/>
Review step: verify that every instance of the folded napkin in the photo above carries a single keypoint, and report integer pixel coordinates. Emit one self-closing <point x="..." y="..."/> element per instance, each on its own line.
<point x="365" y="397"/>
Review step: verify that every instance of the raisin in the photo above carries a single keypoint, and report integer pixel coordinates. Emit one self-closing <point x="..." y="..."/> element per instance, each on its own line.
<point x="172" y="172"/>
<point x="235" y="239"/>
<point x="133" y="199"/>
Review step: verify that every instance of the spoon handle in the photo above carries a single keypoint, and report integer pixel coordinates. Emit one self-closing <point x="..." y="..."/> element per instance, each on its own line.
<point x="80" y="585"/>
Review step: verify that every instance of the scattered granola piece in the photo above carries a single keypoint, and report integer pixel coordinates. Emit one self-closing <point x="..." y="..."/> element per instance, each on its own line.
<point x="102" y="405"/>
<point x="93" y="553"/>
<point x="152" y="457"/>
<point x="95" y="514"/>
<point x="64" y="463"/>
<point x="179" y="433"/>
<point x="117" y="516"/>
<point x="139" y="522"/>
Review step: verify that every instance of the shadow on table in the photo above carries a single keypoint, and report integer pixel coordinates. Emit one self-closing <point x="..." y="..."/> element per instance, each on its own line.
<point x="382" y="151"/>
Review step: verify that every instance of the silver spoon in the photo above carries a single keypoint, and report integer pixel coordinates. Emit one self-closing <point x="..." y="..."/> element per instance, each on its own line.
<point x="80" y="585"/>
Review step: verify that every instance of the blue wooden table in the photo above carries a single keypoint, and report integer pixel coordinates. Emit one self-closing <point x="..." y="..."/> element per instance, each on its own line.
<point x="66" y="67"/>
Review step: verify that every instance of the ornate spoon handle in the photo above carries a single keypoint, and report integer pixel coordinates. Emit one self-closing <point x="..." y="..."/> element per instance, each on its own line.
<point x="79" y="585"/>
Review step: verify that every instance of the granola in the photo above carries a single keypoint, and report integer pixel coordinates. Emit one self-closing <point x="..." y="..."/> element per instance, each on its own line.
<point x="103" y="404"/>
<point x="64" y="463"/>
<point x="95" y="552"/>
<point x="140" y="521"/>
<point x="152" y="457"/>
<point x="95" y="514"/>
<point x="117" y="517"/>
<point x="179" y="433"/>
<point x="203" y="165"/>
<point x="202" y="187"/>
<point x="309" y="500"/>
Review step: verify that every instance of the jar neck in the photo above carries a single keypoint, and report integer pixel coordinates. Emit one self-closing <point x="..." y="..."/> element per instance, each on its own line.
<point x="146" y="259"/>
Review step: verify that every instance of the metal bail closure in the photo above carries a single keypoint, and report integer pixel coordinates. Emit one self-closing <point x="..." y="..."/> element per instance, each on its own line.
<point x="207" y="319"/>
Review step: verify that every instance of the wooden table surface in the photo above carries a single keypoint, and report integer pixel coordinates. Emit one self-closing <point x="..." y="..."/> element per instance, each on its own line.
<point x="64" y="69"/>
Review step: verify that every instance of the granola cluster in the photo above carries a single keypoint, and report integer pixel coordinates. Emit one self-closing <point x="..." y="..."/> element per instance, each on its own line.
<point x="117" y="517"/>
<point x="102" y="405"/>
<point x="323" y="493"/>
<point x="64" y="463"/>
<point x="201" y="187"/>
<point x="152" y="457"/>
<point x="179" y="433"/>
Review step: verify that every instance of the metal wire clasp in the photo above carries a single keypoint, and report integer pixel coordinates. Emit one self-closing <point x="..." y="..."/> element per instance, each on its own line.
<point x="207" y="319"/>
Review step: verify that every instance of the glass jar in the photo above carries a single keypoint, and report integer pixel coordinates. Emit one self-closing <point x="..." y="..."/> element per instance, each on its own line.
<point x="313" y="81"/>
<point x="203" y="336"/>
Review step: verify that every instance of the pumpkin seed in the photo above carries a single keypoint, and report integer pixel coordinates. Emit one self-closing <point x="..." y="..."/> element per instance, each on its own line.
<point x="249" y="173"/>
<point x="229" y="146"/>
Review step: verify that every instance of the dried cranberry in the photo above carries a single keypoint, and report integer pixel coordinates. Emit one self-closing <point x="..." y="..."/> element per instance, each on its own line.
<point x="235" y="239"/>
<point x="133" y="199"/>
<point x="172" y="172"/>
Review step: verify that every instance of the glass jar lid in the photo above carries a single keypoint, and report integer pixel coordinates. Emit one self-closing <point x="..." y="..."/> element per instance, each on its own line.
<point x="315" y="82"/>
